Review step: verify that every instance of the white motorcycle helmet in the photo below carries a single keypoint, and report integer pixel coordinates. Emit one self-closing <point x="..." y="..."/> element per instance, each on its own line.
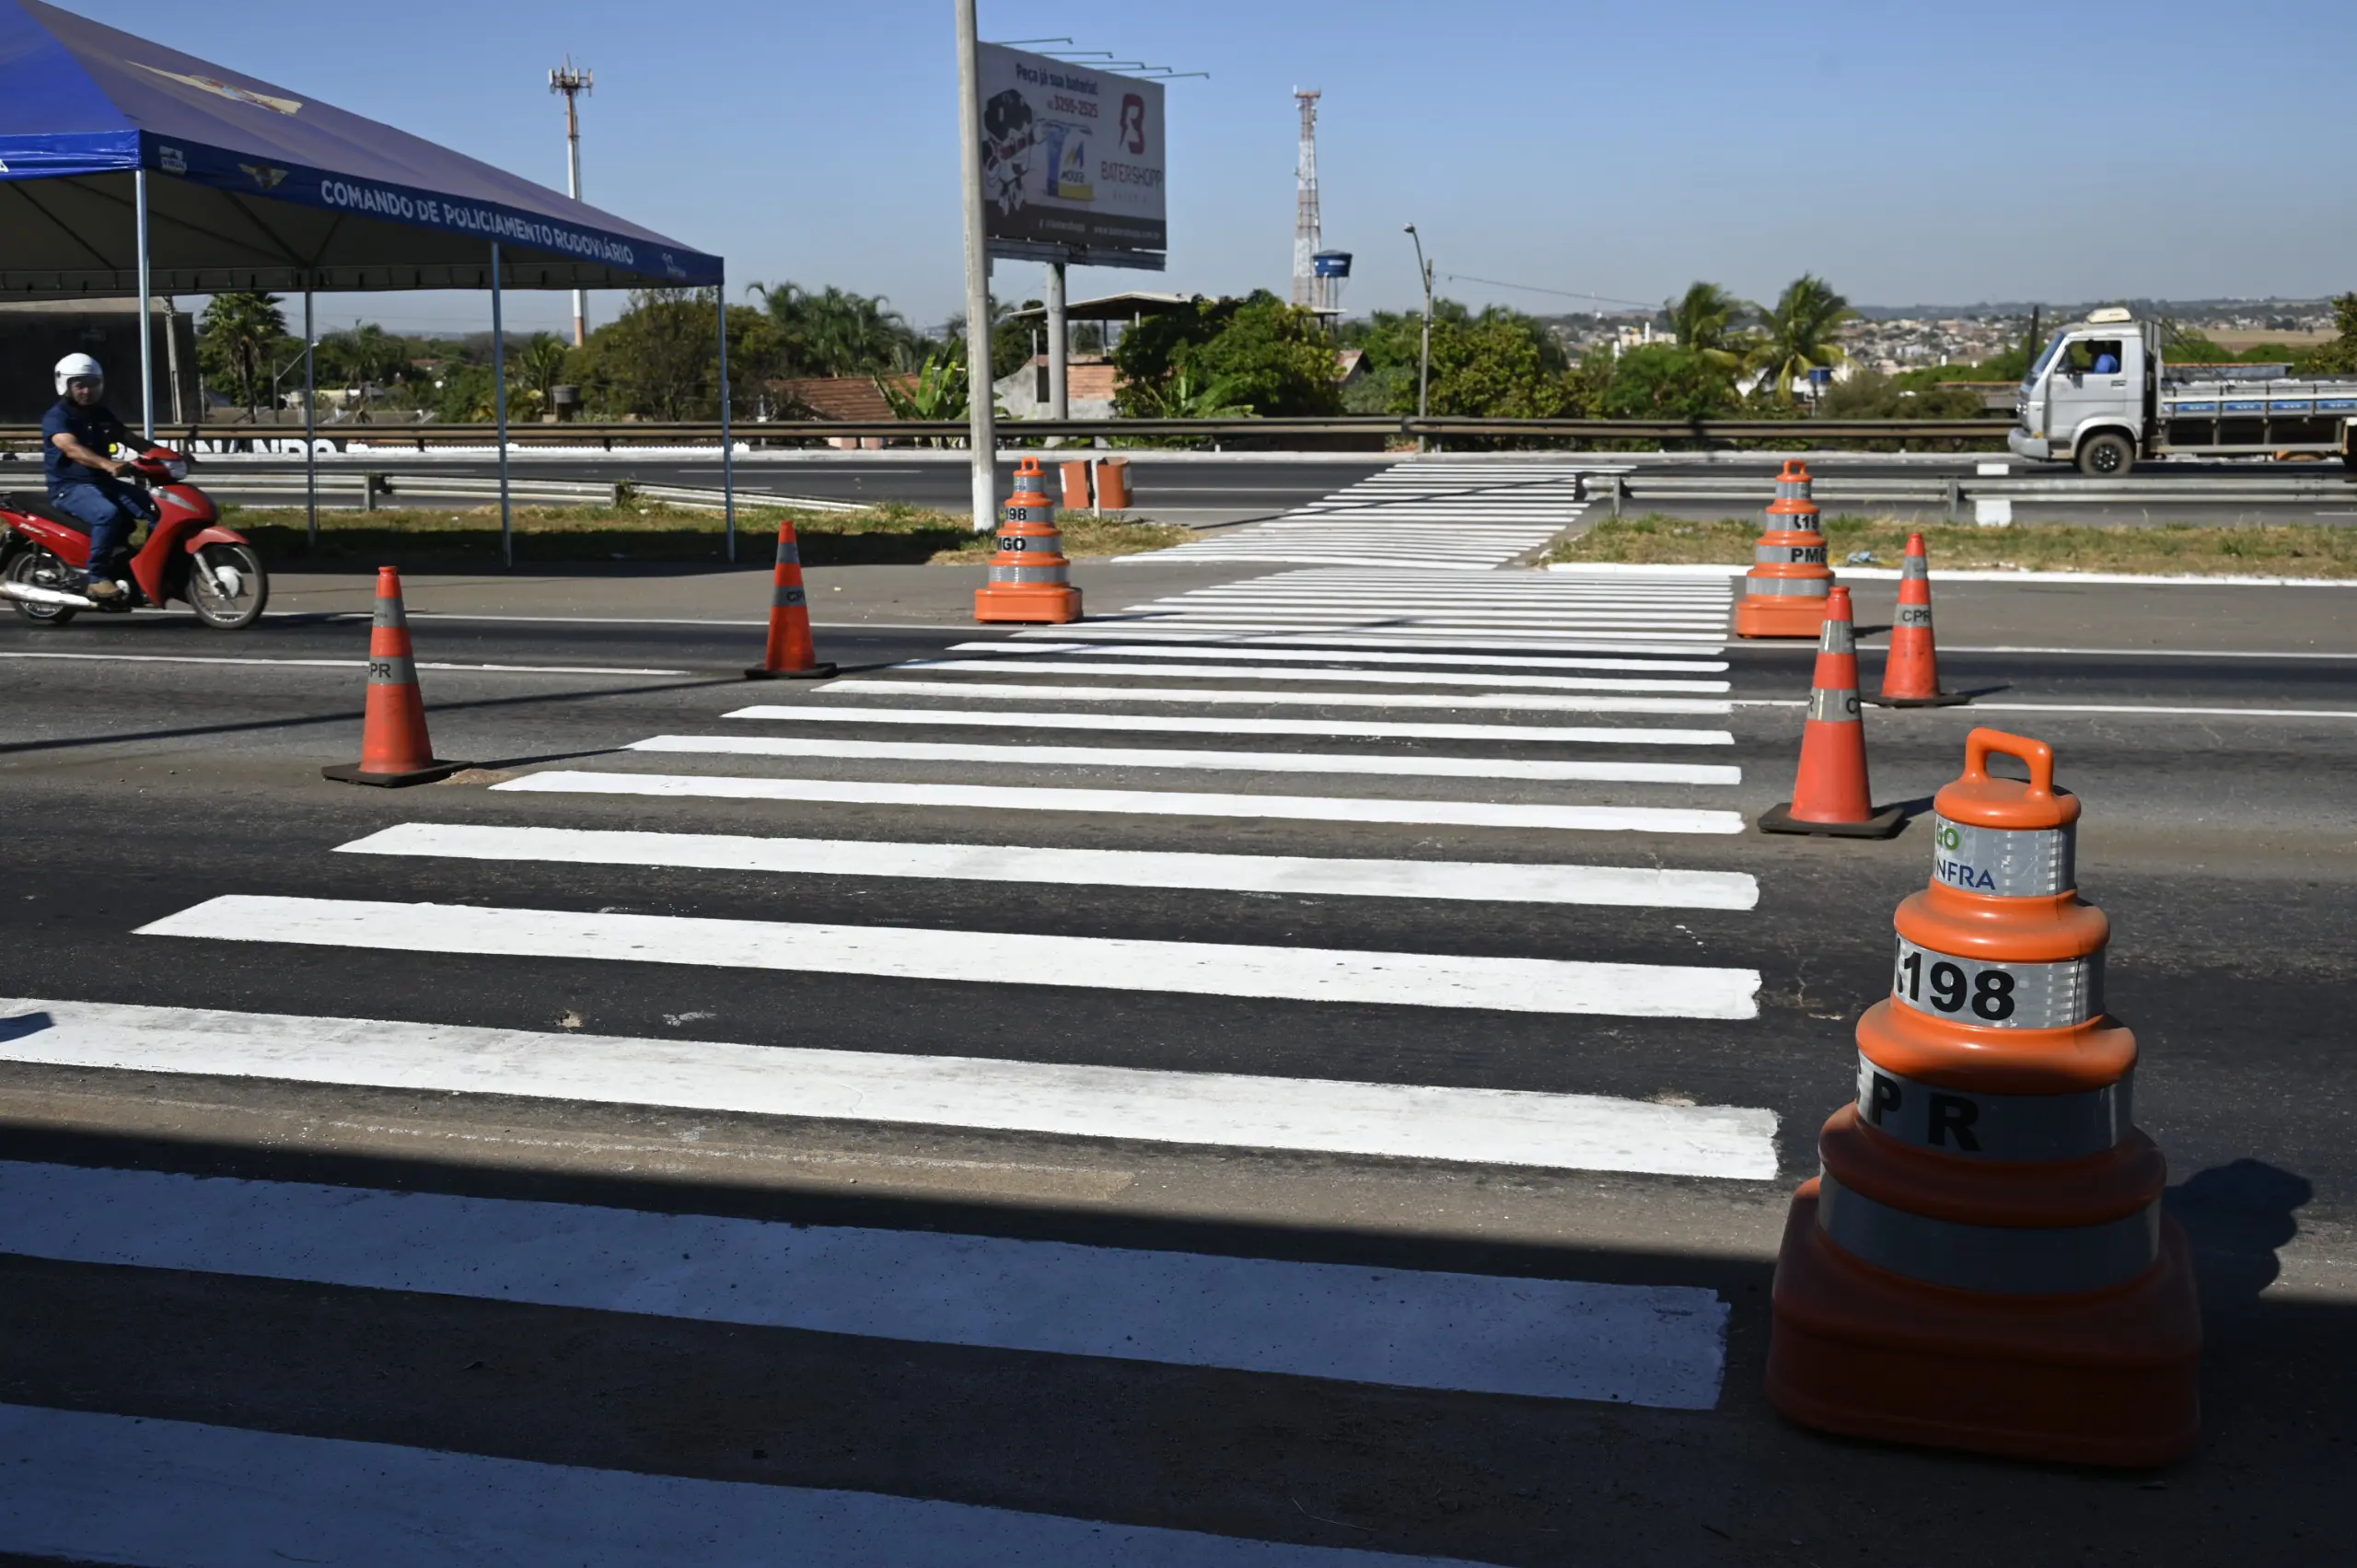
<point x="77" y="367"/>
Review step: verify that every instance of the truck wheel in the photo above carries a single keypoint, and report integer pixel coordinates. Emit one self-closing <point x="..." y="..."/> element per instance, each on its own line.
<point x="2108" y="456"/>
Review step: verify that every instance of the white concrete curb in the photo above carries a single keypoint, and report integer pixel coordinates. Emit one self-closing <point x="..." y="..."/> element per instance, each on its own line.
<point x="1887" y="574"/>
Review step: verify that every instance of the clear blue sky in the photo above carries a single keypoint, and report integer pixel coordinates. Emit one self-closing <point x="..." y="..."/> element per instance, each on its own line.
<point x="1909" y="152"/>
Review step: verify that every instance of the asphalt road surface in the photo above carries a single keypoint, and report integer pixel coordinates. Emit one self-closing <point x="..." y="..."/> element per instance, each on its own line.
<point x="854" y="1114"/>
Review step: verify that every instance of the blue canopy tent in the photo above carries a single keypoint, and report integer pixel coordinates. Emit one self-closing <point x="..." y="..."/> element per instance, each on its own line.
<point x="127" y="168"/>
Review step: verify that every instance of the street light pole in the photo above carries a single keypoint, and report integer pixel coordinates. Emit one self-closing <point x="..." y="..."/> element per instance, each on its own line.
<point x="1424" y="361"/>
<point x="981" y="437"/>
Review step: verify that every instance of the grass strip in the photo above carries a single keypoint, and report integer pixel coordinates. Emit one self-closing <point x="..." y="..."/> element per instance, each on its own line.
<point x="2272" y="549"/>
<point x="888" y="535"/>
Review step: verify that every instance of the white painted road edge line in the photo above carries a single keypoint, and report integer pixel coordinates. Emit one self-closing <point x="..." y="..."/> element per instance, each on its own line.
<point x="1536" y="702"/>
<point x="1179" y="758"/>
<point x="115" y="1489"/>
<point x="346" y="664"/>
<point x="1475" y="881"/>
<point x="1547" y="1339"/>
<point x="1095" y="963"/>
<point x="1136" y="802"/>
<point x="1550" y="1132"/>
<point x="1890" y="573"/>
<point x="1174" y="723"/>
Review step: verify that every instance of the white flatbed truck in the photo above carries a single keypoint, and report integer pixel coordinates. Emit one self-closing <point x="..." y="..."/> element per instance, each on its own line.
<point x="2101" y="396"/>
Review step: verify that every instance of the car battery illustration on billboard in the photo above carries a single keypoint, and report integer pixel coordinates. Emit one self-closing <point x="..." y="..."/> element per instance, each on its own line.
<point x="1072" y="158"/>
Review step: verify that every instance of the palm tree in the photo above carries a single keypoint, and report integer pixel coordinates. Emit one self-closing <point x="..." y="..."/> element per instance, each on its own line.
<point x="542" y="363"/>
<point x="236" y="338"/>
<point x="1796" y="335"/>
<point x="835" y="331"/>
<point x="1704" y="319"/>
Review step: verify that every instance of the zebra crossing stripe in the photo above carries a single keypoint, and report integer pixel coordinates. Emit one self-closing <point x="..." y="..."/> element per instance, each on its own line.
<point x="1457" y="880"/>
<point x="1175" y="723"/>
<point x="1231" y="1110"/>
<point x="1137" y="802"/>
<point x="1346" y="655"/>
<point x="1353" y="676"/>
<point x="1173" y="757"/>
<point x="1546" y="1339"/>
<point x="1560" y="986"/>
<point x="1024" y="691"/>
<point x="94" y="1488"/>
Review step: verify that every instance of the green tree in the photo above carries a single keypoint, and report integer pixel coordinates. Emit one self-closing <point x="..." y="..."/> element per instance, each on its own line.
<point x="2338" y="357"/>
<point x="660" y="359"/>
<point x="540" y="366"/>
<point x="237" y="343"/>
<point x="1658" y="382"/>
<point x="938" y="392"/>
<point x="1185" y="396"/>
<point x="1797" y="334"/>
<point x="1499" y="365"/>
<point x="1705" y="319"/>
<point x="835" y="331"/>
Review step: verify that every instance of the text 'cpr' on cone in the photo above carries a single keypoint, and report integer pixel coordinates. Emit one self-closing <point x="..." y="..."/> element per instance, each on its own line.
<point x="394" y="750"/>
<point x="1831" y="796"/>
<point x="1911" y="674"/>
<point x="792" y="654"/>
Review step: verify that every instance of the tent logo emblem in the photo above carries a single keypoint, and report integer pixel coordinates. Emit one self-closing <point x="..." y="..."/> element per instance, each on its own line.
<point x="264" y="175"/>
<point x="220" y="88"/>
<point x="172" y="160"/>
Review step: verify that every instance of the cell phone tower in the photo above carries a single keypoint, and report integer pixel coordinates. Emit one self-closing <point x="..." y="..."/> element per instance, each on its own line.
<point x="573" y="83"/>
<point x="1309" y="290"/>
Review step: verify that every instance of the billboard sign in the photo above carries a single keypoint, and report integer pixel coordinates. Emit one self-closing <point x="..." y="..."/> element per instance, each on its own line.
<point x="1072" y="156"/>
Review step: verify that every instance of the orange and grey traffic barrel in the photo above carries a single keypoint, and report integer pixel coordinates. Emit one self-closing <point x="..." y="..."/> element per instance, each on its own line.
<point x="1784" y="592"/>
<point x="1983" y="1261"/>
<point x="394" y="748"/>
<point x="1031" y="580"/>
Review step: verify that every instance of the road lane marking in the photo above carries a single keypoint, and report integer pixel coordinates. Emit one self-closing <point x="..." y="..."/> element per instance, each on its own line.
<point x="1098" y="963"/>
<point x="1173" y="757"/>
<point x="1476" y="881"/>
<point x="1345" y="656"/>
<point x="2157" y="709"/>
<point x="1230" y="1110"/>
<point x="1532" y="702"/>
<point x="1347" y="677"/>
<point x="118" y="1489"/>
<point x="347" y="663"/>
<point x="1174" y="723"/>
<point x="1136" y="802"/>
<point x="1195" y="637"/>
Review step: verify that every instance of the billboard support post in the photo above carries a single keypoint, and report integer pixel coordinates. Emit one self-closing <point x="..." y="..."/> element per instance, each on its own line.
<point x="981" y="439"/>
<point x="1059" y="348"/>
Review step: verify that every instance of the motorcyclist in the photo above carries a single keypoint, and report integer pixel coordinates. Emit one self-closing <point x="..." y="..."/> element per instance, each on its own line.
<point x="76" y="434"/>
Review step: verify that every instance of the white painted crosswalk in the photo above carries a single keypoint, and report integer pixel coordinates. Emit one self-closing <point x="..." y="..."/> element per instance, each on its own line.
<point x="1433" y="513"/>
<point x="1381" y="738"/>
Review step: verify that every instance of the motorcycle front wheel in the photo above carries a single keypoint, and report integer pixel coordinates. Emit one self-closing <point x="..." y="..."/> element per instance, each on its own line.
<point x="226" y="586"/>
<point x="40" y="569"/>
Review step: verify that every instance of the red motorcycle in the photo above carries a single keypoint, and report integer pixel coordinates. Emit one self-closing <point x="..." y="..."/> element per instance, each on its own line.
<point x="188" y="555"/>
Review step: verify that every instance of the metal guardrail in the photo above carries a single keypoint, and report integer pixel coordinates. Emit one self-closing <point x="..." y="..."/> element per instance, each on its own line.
<point x="1954" y="494"/>
<point x="612" y="436"/>
<point x="368" y="492"/>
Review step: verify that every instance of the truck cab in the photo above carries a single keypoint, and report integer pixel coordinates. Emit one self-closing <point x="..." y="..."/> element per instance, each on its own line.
<point x="2088" y="399"/>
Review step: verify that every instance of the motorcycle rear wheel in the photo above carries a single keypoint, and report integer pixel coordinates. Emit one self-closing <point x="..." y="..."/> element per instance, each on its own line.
<point x="227" y="587"/>
<point x="39" y="569"/>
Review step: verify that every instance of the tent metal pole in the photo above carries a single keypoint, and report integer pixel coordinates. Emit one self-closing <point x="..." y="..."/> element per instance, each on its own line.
<point x="310" y="421"/>
<point x="147" y="314"/>
<point x="499" y="398"/>
<point x="727" y="440"/>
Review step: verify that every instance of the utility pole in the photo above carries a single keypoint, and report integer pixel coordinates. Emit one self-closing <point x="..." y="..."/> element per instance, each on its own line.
<point x="1424" y="360"/>
<point x="982" y="437"/>
<point x="573" y="83"/>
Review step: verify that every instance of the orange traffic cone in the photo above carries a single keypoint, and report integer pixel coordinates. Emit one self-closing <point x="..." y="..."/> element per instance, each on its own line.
<point x="1831" y="796"/>
<point x="1031" y="580"/>
<point x="1783" y="594"/>
<point x="394" y="750"/>
<point x="1983" y="1261"/>
<point x="791" y="655"/>
<point x="1911" y="675"/>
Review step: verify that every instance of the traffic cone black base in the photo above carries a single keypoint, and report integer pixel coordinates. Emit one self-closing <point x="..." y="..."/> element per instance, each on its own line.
<point x="351" y="773"/>
<point x="1883" y="824"/>
<point x="816" y="672"/>
<point x="1944" y="700"/>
